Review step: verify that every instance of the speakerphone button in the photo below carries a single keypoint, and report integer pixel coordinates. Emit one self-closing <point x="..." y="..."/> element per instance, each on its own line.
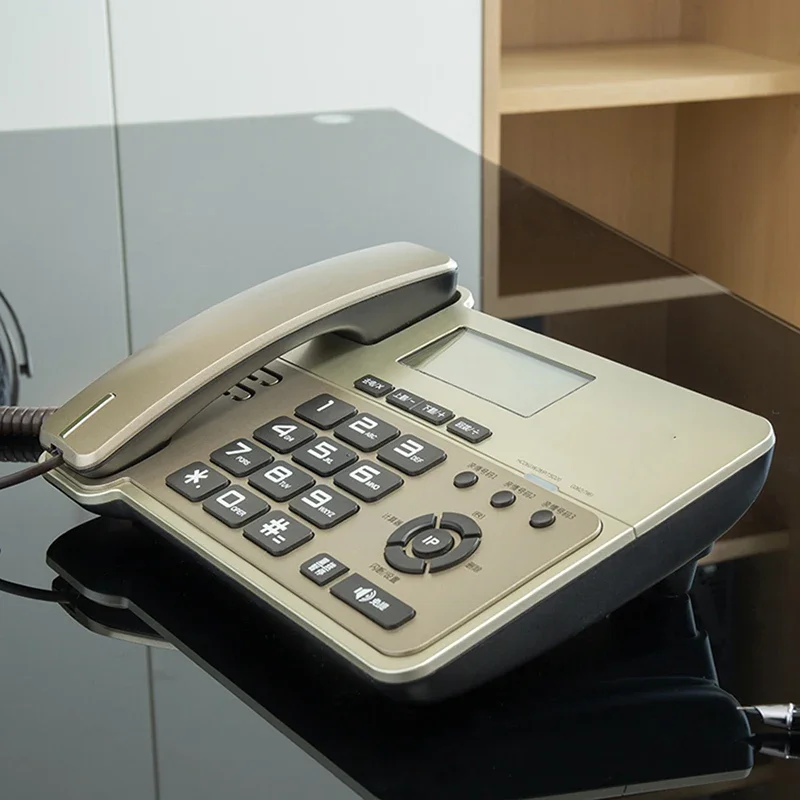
<point x="373" y="602"/>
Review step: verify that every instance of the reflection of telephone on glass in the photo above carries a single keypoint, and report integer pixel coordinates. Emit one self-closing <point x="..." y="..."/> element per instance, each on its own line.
<point x="432" y="494"/>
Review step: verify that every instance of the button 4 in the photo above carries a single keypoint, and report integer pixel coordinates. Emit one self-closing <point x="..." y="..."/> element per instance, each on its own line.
<point x="235" y="506"/>
<point x="323" y="507"/>
<point x="283" y="434"/>
<point x="324" y="456"/>
<point x="411" y="455"/>
<point x="368" y="481"/>
<point x="325" y="411"/>
<point x="240" y="457"/>
<point x="196" y="481"/>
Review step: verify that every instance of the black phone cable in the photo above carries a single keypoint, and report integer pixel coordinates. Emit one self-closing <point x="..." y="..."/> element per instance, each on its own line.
<point x="33" y="593"/>
<point x="19" y="431"/>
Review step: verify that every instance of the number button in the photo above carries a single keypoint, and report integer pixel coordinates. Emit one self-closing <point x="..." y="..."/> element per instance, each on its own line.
<point x="323" y="507"/>
<point x="368" y="481"/>
<point x="240" y="457"/>
<point x="324" y="456"/>
<point x="235" y="506"/>
<point x="325" y="411"/>
<point x="281" y="481"/>
<point x="366" y="433"/>
<point x="196" y="481"/>
<point x="411" y="455"/>
<point x="278" y="533"/>
<point x="283" y="434"/>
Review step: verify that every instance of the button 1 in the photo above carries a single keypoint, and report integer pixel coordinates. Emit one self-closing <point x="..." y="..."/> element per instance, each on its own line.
<point x="438" y="415"/>
<point x="396" y="557"/>
<point x="458" y="554"/>
<point x="323" y="569"/>
<point x="373" y="602"/>
<point x="465" y="479"/>
<point x="325" y="411"/>
<point x="542" y="518"/>
<point x="283" y="434"/>
<point x="503" y="499"/>
<point x="366" y="432"/>
<point x="411" y="455"/>
<point x="373" y="386"/>
<point x="368" y="481"/>
<point x="235" y="506"/>
<point x="196" y="481"/>
<point x="460" y="523"/>
<point x="281" y="481"/>
<point x="469" y="430"/>
<point x="432" y="543"/>
<point x="324" y="456"/>
<point x="403" y="535"/>
<point x="278" y="533"/>
<point x="323" y="507"/>
<point x="240" y="457"/>
<point x="403" y="399"/>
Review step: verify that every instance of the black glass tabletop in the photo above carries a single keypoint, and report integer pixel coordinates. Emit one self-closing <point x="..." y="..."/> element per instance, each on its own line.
<point x="151" y="678"/>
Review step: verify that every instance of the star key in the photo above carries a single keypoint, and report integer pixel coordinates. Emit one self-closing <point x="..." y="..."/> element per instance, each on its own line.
<point x="196" y="481"/>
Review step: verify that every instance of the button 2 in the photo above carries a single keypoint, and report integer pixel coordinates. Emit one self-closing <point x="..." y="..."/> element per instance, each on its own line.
<point x="240" y="457"/>
<point x="325" y="411"/>
<point x="324" y="456"/>
<point x="366" y="432"/>
<point x="373" y="602"/>
<point x="323" y="507"/>
<point x="235" y="506"/>
<point x="283" y="434"/>
<point x="373" y="386"/>
<point x="281" y="481"/>
<point x="411" y="455"/>
<point x="368" y="481"/>
<point x="196" y="481"/>
<point x="278" y="533"/>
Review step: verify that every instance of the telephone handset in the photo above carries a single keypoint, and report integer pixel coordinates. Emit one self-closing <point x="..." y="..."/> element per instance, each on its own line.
<point x="139" y="404"/>
<point x="433" y="495"/>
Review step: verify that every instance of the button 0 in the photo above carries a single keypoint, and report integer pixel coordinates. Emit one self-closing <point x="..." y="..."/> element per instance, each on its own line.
<point x="373" y="386"/>
<point x="240" y="457"/>
<point x="403" y="399"/>
<point x="323" y="569"/>
<point x="503" y="499"/>
<point x="278" y="533"/>
<point x="196" y="481"/>
<point x="281" y="481"/>
<point x="373" y="602"/>
<point x="283" y="434"/>
<point x="366" y="432"/>
<point x="438" y="415"/>
<point x="368" y="481"/>
<point x="543" y="518"/>
<point x="411" y="455"/>
<point x="324" y="456"/>
<point x="325" y="411"/>
<point x="469" y="430"/>
<point x="323" y="507"/>
<point x="235" y="506"/>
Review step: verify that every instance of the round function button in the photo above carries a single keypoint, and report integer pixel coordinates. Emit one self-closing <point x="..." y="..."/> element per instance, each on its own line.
<point x="503" y="499"/>
<point x="542" y="518"/>
<point x="433" y="542"/>
<point x="465" y="479"/>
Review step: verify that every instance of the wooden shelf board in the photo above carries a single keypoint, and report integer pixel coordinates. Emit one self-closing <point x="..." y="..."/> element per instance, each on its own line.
<point x="651" y="73"/>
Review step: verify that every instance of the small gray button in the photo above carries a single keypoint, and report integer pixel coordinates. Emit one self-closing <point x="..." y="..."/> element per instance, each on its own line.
<point x="373" y="602"/>
<point x="278" y="533"/>
<point x="432" y="543"/>
<point x="240" y="457"/>
<point x="325" y="411"/>
<point x="465" y="479"/>
<point x="235" y="506"/>
<point x="323" y="507"/>
<point x="397" y="558"/>
<point x="469" y="430"/>
<point x="503" y="499"/>
<point x="323" y="569"/>
<point x="373" y="386"/>
<point x="196" y="481"/>
<point x="542" y="518"/>
<point x="403" y="399"/>
<point x="426" y="410"/>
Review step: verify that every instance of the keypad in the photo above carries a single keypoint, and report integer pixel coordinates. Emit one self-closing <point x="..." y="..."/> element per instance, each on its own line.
<point x="281" y="481"/>
<point x="367" y="481"/>
<point x="325" y="411"/>
<point x="373" y="602"/>
<point x="430" y="412"/>
<point x="240" y="457"/>
<point x="403" y="399"/>
<point x="323" y="507"/>
<point x="196" y="481"/>
<point x="468" y="430"/>
<point x="411" y="455"/>
<point x="278" y="533"/>
<point x="366" y="432"/>
<point x="235" y="506"/>
<point x="373" y="386"/>
<point x="323" y="569"/>
<point x="324" y="456"/>
<point x="283" y="434"/>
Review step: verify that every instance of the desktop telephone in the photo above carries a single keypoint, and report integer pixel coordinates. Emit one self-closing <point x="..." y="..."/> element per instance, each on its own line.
<point x="433" y="495"/>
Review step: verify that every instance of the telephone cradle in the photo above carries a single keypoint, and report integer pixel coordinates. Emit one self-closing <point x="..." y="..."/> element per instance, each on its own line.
<point x="433" y="495"/>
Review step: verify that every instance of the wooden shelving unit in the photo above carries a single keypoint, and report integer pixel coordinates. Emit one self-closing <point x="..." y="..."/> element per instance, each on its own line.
<point x="674" y="121"/>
